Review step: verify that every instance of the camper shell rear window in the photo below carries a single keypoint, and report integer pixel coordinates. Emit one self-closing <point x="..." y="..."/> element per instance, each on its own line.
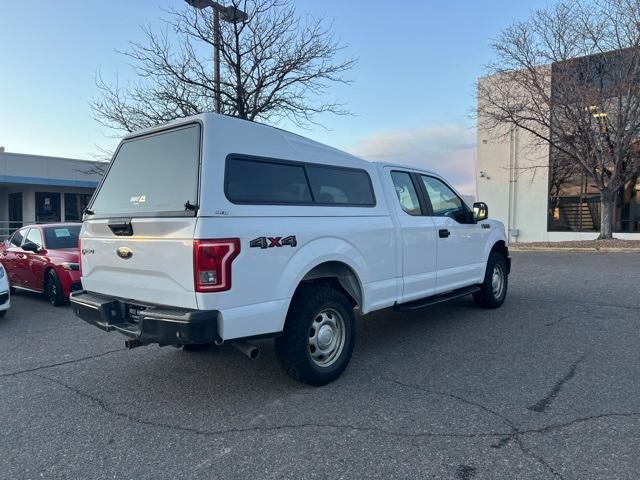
<point x="152" y="175"/>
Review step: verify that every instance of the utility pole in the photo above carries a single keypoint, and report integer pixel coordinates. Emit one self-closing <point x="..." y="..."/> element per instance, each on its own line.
<point x="229" y="14"/>
<point x="216" y="60"/>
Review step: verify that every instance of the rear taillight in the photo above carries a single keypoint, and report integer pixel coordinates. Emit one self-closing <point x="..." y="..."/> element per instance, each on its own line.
<point x="212" y="263"/>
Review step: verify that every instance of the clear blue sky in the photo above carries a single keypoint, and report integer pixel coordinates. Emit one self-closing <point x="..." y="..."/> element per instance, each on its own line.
<point x="412" y="92"/>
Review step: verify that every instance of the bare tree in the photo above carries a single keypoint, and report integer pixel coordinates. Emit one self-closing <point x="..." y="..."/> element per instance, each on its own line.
<point x="275" y="64"/>
<point x="570" y="76"/>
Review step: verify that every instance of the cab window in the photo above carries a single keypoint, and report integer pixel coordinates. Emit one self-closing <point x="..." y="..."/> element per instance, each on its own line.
<point x="444" y="201"/>
<point x="406" y="192"/>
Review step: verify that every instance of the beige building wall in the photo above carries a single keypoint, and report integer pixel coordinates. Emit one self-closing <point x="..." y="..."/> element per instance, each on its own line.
<point x="514" y="182"/>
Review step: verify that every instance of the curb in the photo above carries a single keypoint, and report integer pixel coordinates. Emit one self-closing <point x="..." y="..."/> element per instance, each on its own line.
<point x="513" y="248"/>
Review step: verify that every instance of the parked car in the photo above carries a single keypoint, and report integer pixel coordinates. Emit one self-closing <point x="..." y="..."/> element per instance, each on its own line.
<point x="44" y="258"/>
<point x="246" y="231"/>
<point x="5" y="301"/>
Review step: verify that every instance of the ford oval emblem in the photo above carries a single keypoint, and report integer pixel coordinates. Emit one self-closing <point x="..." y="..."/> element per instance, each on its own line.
<point x="125" y="252"/>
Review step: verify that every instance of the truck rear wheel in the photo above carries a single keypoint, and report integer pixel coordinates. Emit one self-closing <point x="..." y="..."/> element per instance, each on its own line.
<point x="494" y="288"/>
<point x="318" y="337"/>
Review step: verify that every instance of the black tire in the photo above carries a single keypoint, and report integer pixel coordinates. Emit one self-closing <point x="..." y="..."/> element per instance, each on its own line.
<point x="197" y="347"/>
<point x="491" y="295"/>
<point x="53" y="289"/>
<point x="323" y="316"/>
<point x="2" y="313"/>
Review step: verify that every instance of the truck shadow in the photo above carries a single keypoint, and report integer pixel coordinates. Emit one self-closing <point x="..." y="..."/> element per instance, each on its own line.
<point x="381" y="335"/>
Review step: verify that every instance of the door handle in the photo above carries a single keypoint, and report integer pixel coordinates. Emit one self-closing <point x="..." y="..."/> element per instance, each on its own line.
<point x="443" y="233"/>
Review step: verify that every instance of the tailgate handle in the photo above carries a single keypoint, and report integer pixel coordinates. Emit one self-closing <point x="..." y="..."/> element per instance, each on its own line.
<point x="121" y="227"/>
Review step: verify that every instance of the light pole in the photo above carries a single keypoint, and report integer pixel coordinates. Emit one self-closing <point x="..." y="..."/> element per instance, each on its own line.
<point x="229" y="14"/>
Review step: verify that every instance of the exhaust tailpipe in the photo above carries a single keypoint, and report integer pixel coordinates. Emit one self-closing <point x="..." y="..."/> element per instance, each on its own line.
<point x="249" y="350"/>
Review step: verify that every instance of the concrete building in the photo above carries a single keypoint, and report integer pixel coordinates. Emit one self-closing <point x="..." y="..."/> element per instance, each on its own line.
<point x="514" y="178"/>
<point x="38" y="189"/>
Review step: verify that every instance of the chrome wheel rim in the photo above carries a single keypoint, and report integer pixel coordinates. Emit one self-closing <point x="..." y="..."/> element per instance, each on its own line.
<point x="497" y="281"/>
<point x="326" y="337"/>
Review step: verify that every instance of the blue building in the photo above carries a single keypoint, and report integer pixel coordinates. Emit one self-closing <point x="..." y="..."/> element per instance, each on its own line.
<point x="39" y="189"/>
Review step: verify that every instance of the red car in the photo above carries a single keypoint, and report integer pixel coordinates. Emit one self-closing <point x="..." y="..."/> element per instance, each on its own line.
<point x="44" y="258"/>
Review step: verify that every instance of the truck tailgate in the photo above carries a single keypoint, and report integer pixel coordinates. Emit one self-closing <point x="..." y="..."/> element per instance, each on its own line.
<point x="154" y="265"/>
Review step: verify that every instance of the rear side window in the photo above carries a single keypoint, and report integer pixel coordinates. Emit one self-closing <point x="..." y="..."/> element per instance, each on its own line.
<point x="340" y="186"/>
<point x="261" y="181"/>
<point x="153" y="174"/>
<point x="406" y="192"/>
<point x="265" y="182"/>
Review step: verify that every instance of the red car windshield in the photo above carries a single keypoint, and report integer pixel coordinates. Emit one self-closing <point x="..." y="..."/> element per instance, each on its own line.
<point x="61" y="237"/>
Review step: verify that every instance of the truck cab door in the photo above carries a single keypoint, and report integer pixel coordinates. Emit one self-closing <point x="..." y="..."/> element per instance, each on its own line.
<point x="416" y="234"/>
<point x="461" y="240"/>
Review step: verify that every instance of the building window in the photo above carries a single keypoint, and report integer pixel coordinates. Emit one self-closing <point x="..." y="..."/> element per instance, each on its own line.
<point x="47" y="207"/>
<point x="74" y="205"/>
<point x="630" y="207"/>
<point x="574" y="201"/>
<point x="15" y="211"/>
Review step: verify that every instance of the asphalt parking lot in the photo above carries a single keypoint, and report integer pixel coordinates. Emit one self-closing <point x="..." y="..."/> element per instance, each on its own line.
<point x="546" y="387"/>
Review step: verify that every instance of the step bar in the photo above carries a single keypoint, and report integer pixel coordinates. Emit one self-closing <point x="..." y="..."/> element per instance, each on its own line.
<point x="443" y="297"/>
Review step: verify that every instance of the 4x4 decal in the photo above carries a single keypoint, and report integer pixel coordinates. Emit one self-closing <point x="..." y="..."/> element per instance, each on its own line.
<point x="269" y="242"/>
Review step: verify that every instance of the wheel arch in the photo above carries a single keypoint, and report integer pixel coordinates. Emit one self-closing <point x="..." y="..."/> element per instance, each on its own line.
<point x="500" y="246"/>
<point x="324" y="257"/>
<point x="340" y="265"/>
<point x="339" y="275"/>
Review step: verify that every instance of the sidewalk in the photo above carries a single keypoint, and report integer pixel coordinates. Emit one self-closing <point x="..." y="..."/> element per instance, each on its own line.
<point x="614" y="245"/>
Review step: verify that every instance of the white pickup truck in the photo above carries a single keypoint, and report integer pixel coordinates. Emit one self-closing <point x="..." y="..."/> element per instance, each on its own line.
<point x="212" y="229"/>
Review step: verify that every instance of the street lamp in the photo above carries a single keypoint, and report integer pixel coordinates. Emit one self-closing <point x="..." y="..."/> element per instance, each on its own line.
<point x="229" y="14"/>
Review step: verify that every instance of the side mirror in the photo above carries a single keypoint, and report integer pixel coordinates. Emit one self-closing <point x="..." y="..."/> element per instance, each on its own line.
<point x="480" y="211"/>
<point x="30" y="247"/>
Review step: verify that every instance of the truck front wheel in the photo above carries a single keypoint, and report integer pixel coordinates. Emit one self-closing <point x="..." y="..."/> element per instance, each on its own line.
<point x="318" y="337"/>
<point x="494" y="288"/>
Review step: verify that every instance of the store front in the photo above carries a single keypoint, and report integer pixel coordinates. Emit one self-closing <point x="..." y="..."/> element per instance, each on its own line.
<point x="37" y="189"/>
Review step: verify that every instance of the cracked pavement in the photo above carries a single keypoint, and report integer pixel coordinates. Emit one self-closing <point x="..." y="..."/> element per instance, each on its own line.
<point x="548" y="386"/>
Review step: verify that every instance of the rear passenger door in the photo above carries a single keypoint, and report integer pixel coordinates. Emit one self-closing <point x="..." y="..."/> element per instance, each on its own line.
<point x="417" y="234"/>
<point x="460" y="239"/>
